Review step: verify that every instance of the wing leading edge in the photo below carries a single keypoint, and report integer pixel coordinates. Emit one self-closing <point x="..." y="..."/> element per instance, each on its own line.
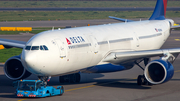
<point x="121" y="57"/>
<point x="178" y="26"/>
<point x="7" y="43"/>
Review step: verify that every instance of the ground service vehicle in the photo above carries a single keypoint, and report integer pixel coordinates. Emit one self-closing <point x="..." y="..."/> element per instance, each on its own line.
<point x="36" y="88"/>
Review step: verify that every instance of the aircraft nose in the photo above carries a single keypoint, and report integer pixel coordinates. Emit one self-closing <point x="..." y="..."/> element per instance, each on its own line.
<point x="29" y="60"/>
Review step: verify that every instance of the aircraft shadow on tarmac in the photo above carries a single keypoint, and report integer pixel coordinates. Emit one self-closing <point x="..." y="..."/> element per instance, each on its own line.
<point x="124" y="83"/>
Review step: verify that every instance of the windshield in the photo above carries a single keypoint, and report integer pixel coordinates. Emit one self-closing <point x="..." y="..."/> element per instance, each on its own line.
<point x="35" y="48"/>
<point x="28" y="48"/>
<point x="42" y="47"/>
<point x="29" y="86"/>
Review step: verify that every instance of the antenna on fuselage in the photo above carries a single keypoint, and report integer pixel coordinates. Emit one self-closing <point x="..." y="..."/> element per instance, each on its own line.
<point x="126" y="21"/>
<point x="52" y="28"/>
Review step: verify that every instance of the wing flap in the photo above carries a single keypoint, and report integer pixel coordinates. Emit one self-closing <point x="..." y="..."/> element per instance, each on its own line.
<point x="7" y="43"/>
<point x="121" y="57"/>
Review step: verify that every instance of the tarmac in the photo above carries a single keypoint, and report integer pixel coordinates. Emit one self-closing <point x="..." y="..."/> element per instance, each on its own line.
<point x="116" y="86"/>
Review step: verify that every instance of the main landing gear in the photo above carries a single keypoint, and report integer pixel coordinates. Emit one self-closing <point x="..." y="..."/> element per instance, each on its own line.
<point x="141" y="80"/>
<point x="72" y="78"/>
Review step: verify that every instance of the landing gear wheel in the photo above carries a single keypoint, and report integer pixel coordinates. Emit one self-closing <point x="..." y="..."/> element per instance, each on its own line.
<point x="140" y="80"/>
<point x="75" y="78"/>
<point x="72" y="78"/>
<point x="61" y="90"/>
<point x="78" y="77"/>
<point x="45" y="79"/>
<point x="61" y="79"/>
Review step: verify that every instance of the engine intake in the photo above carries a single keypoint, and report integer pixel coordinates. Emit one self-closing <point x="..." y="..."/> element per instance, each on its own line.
<point x="158" y="71"/>
<point x="14" y="69"/>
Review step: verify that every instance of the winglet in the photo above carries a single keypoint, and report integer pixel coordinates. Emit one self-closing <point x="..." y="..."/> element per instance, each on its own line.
<point x="159" y="11"/>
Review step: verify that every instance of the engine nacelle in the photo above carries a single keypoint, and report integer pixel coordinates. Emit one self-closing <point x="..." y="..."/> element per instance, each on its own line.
<point x="158" y="71"/>
<point x="14" y="69"/>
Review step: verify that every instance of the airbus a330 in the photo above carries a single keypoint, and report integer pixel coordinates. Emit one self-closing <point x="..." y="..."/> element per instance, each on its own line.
<point x="97" y="49"/>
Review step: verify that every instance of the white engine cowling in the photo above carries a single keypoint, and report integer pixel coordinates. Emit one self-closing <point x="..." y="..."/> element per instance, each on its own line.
<point x="14" y="69"/>
<point x="158" y="71"/>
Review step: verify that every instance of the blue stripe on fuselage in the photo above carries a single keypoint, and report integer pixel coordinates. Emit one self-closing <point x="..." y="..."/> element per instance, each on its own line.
<point x="105" y="68"/>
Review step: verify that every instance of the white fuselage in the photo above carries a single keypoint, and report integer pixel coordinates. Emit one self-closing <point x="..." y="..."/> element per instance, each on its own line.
<point x="74" y="49"/>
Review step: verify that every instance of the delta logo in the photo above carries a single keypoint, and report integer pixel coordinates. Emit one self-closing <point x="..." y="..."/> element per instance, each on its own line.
<point x="76" y="39"/>
<point x="68" y="42"/>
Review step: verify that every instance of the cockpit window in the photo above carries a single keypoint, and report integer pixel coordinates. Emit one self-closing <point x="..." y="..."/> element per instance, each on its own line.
<point x="28" y="48"/>
<point x="43" y="47"/>
<point x="35" y="48"/>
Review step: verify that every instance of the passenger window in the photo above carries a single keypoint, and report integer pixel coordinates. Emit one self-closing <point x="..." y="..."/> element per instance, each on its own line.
<point x="35" y="48"/>
<point x="28" y="48"/>
<point x="41" y="48"/>
<point x="45" y="47"/>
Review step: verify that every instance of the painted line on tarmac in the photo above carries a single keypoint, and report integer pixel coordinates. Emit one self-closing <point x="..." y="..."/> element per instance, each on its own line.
<point x="88" y="86"/>
<point x="177" y="39"/>
<point x="23" y="99"/>
<point x="177" y="71"/>
<point x="80" y="88"/>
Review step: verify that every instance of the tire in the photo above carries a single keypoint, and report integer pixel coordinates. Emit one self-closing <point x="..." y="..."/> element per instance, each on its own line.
<point x="139" y="80"/>
<point x="61" y="79"/>
<point x="78" y="77"/>
<point x="61" y="91"/>
<point x="73" y="78"/>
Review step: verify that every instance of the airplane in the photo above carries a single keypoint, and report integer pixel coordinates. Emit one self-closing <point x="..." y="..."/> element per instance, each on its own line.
<point x="98" y="49"/>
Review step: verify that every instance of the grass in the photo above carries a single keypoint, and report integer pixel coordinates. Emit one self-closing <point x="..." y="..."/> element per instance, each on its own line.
<point x="7" y="53"/>
<point x="84" y="3"/>
<point x="76" y="15"/>
<point x="17" y="32"/>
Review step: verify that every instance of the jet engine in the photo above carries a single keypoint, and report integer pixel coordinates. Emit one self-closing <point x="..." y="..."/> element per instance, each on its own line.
<point x="14" y="69"/>
<point x="158" y="71"/>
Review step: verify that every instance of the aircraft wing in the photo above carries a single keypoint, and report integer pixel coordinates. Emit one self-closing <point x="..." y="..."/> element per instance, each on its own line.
<point x="120" y="19"/>
<point x="7" y="43"/>
<point x="122" y="57"/>
<point x="172" y="27"/>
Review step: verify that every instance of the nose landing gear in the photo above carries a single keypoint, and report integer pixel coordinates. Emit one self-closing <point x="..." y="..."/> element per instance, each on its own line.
<point x="45" y="79"/>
